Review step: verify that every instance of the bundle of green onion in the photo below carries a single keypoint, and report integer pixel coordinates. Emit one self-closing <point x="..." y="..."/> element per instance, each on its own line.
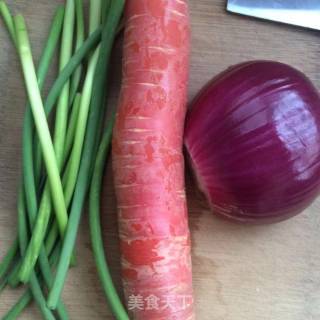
<point x="62" y="160"/>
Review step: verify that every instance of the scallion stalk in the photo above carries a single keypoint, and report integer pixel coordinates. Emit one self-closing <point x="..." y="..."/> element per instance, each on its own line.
<point x="76" y="77"/>
<point x="63" y="102"/>
<point x="74" y="162"/>
<point x="7" y="18"/>
<point x="90" y="149"/>
<point x="72" y="126"/>
<point x="8" y="259"/>
<point x="41" y="225"/>
<point x="71" y="177"/>
<point x="111" y="294"/>
<point x="40" y="121"/>
<point x="23" y="239"/>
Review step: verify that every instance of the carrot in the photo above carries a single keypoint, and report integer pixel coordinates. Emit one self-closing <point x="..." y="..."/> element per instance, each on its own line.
<point x="148" y="161"/>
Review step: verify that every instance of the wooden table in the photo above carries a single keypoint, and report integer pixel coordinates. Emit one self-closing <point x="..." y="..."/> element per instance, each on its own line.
<point x="240" y="272"/>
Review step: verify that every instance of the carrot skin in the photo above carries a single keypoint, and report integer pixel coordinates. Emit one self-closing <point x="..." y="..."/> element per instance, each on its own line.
<point x="148" y="161"/>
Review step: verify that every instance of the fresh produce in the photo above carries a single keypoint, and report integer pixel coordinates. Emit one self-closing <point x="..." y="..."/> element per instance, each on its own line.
<point x="253" y="140"/>
<point x="60" y="186"/>
<point x="21" y="41"/>
<point x="44" y="63"/>
<point x="148" y="161"/>
<point x="95" y="228"/>
<point x="90" y="149"/>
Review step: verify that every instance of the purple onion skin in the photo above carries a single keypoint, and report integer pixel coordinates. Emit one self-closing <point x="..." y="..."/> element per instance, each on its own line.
<point x="253" y="139"/>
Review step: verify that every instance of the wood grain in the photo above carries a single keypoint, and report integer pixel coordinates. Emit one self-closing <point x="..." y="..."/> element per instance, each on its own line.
<point x="240" y="272"/>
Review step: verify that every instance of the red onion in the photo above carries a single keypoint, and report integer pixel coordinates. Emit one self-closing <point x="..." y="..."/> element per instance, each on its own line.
<point x="253" y="139"/>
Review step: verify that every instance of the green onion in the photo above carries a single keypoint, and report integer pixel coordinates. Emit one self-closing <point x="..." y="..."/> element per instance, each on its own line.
<point x="62" y="108"/>
<point x="59" y="132"/>
<point x="89" y="152"/>
<point x="113" y="299"/>
<point x="28" y="160"/>
<point x="43" y="218"/>
<point x="34" y="284"/>
<point x="45" y="208"/>
<point x="69" y="69"/>
<point x="22" y="303"/>
<point x="73" y="165"/>
<point x="7" y="18"/>
<point x="104" y="10"/>
<point x="77" y="131"/>
<point x="52" y="237"/>
<point x="95" y="15"/>
<point x="74" y="162"/>
<point x="36" y="242"/>
<point x="31" y="173"/>
<point x="72" y="126"/>
<point x="40" y="121"/>
<point x="64" y="76"/>
<point x="12" y="252"/>
<point x="8" y="259"/>
<point x="41" y="225"/>
<point x="25" y="299"/>
<point x="45" y="205"/>
<point x="76" y="77"/>
<point x="13" y="277"/>
<point x="44" y="263"/>
<point x="31" y="196"/>
<point x="3" y="284"/>
<point x="28" y="120"/>
<point x="63" y="102"/>
<point x="47" y="147"/>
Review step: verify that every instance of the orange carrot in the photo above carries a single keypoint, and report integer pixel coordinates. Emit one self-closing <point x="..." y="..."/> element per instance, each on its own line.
<point x="148" y="161"/>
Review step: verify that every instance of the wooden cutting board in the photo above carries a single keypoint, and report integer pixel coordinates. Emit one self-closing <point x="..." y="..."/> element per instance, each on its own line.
<point x="240" y="272"/>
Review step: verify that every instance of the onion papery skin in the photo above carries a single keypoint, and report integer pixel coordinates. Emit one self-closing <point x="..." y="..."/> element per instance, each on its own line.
<point x="252" y="136"/>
